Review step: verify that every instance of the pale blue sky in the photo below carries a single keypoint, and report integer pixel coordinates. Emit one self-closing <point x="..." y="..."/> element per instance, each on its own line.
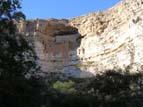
<point x="63" y="8"/>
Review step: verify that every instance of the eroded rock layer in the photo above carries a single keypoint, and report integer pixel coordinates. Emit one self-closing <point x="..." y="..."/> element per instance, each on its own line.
<point x="89" y="44"/>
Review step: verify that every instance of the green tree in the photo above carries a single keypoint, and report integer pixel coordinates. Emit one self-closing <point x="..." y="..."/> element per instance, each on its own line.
<point x="9" y="11"/>
<point x="17" y="60"/>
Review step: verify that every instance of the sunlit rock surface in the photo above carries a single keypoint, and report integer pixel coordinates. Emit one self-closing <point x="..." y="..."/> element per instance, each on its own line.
<point x="89" y="44"/>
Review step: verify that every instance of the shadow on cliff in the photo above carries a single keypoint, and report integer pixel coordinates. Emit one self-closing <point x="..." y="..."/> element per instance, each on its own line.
<point x="111" y="89"/>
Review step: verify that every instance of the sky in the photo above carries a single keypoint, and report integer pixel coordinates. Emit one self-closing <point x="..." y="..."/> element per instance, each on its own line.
<point x="63" y="8"/>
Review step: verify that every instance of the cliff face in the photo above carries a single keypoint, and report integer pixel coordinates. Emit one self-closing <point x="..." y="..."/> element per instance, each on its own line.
<point x="89" y="44"/>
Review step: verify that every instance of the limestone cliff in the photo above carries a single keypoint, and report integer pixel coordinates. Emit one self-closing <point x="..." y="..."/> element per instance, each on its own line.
<point x="89" y="44"/>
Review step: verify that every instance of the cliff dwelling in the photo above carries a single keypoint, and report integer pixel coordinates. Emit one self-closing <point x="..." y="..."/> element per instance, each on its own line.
<point x="57" y="37"/>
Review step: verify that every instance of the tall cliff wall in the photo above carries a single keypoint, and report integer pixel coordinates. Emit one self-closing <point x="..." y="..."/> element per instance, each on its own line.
<point x="89" y="44"/>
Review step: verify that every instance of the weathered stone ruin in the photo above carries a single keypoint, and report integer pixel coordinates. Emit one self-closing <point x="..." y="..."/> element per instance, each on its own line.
<point x="90" y="44"/>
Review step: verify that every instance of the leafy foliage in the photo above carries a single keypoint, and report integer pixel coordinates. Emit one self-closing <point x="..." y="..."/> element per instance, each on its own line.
<point x="64" y="87"/>
<point x="9" y="10"/>
<point x="17" y="58"/>
<point x="17" y="61"/>
<point x="111" y="89"/>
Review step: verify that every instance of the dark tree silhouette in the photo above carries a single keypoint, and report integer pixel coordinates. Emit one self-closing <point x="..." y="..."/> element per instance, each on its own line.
<point x="17" y="60"/>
